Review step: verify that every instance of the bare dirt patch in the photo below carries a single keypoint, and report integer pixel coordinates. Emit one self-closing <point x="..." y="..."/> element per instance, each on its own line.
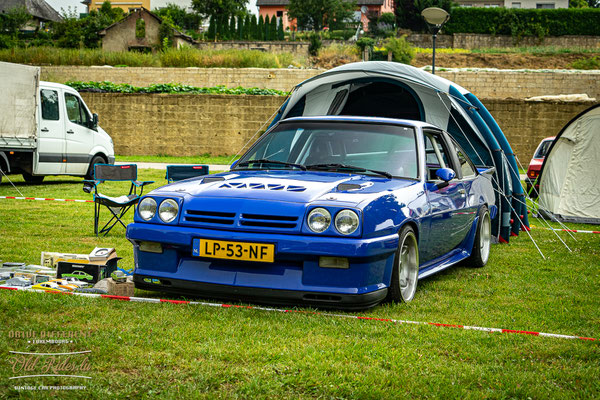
<point x="501" y="61"/>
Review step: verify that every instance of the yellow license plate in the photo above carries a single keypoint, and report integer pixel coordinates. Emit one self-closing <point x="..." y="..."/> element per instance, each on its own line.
<point x="261" y="252"/>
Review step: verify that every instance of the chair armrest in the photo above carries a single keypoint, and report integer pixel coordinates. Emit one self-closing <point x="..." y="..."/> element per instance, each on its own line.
<point x="142" y="183"/>
<point x="89" y="185"/>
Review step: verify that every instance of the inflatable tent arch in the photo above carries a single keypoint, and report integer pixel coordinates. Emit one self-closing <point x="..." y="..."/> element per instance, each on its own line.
<point x="569" y="178"/>
<point x="394" y="90"/>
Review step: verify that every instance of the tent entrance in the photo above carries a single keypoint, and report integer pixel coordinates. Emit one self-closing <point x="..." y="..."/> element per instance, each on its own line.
<point x="364" y="97"/>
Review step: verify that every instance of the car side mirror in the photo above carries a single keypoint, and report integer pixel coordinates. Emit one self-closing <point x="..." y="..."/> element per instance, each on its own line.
<point x="94" y="121"/>
<point x="446" y="175"/>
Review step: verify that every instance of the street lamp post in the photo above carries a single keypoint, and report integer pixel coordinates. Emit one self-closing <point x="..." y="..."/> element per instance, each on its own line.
<point x="435" y="18"/>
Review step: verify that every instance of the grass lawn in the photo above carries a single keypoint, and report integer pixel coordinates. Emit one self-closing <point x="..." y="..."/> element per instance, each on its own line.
<point x="200" y="159"/>
<point x="169" y="351"/>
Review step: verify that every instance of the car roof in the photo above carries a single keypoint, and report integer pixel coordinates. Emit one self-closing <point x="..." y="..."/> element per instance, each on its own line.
<point x="375" y="120"/>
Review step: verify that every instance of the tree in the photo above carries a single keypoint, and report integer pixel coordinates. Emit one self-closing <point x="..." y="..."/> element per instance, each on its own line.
<point x="260" y="31"/>
<point x="273" y="28"/>
<point x="315" y="14"/>
<point x="280" y="34"/>
<point x="12" y="21"/>
<point x="267" y="28"/>
<point x="240" y="28"/>
<point x="216" y="8"/>
<point x="247" y="27"/>
<point x="182" y="19"/>
<point x="408" y="12"/>
<point x="252" y="31"/>
<point x="212" y="28"/>
<point x="232" y="28"/>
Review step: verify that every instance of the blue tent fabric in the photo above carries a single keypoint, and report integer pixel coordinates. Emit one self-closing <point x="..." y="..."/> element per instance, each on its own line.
<point x="441" y="103"/>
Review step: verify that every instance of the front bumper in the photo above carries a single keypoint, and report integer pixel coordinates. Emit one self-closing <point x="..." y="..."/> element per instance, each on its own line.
<point x="294" y="278"/>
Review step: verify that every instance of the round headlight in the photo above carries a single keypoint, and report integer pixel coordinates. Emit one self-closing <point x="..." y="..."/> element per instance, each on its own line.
<point x="168" y="210"/>
<point x="346" y="222"/>
<point x="319" y="220"/>
<point x="147" y="208"/>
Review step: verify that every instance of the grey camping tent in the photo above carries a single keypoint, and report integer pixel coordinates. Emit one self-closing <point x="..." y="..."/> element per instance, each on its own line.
<point x="569" y="179"/>
<point x="394" y="90"/>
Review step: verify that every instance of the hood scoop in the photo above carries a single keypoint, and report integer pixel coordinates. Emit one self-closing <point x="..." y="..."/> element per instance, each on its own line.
<point x="350" y="187"/>
<point x="211" y="179"/>
<point x="262" y="186"/>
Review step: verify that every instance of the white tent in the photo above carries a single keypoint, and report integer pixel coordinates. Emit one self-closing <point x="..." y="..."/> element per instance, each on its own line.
<point x="570" y="177"/>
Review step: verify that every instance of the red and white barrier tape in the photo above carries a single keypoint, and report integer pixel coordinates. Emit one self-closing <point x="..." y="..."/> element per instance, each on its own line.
<point x="44" y="199"/>
<point x="357" y="317"/>
<point x="565" y="230"/>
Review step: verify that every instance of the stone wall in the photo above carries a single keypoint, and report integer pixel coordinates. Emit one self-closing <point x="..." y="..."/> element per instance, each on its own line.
<point x="484" y="84"/>
<point x="477" y="41"/>
<point x="181" y="125"/>
<point x="457" y="40"/>
<point x="276" y="78"/>
<point x="300" y="48"/>
<point x="150" y="124"/>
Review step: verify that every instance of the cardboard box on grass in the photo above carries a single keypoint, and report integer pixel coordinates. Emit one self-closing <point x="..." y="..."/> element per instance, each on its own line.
<point x="96" y="269"/>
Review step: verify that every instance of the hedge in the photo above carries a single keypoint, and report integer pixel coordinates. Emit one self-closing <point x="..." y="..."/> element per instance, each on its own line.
<point x="171" y="88"/>
<point x="524" y="22"/>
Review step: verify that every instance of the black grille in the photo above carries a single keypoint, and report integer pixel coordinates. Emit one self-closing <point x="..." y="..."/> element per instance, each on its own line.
<point x="210" y="217"/>
<point x="268" y="221"/>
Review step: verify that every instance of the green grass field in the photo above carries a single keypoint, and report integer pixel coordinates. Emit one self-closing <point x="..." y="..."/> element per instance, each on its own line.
<point x="172" y="351"/>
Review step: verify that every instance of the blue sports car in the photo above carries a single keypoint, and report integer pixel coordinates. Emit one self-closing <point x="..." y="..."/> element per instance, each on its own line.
<point x="340" y="212"/>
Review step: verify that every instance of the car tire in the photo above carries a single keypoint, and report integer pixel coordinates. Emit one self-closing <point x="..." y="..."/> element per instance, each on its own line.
<point x="95" y="160"/>
<point x="406" y="267"/>
<point x="32" y="178"/>
<point x="483" y="240"/>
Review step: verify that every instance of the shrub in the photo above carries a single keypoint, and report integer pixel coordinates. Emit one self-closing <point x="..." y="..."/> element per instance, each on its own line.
<point x="587" y="63"/>
<point x="402" y="51"/>
<point x="524" y="22"/>
<point x="170" y="88"/>
<point x="365" y="43"/>
<point x="314" y="45"/>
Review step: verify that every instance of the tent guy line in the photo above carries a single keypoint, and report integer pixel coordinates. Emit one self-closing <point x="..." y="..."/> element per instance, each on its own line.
<point x="324" y="314"/>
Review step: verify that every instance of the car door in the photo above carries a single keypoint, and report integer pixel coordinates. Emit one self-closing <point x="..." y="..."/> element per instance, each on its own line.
<point x="80" y="136"/>
<point x="446" y="203"/>
<point x="51" y="143"/>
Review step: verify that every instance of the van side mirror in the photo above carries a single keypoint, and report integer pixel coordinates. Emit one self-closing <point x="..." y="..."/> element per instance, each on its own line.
<point x="94" y="121"/>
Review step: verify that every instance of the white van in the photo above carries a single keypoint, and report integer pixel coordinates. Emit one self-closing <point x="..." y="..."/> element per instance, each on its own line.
<point x="46" y="128"/>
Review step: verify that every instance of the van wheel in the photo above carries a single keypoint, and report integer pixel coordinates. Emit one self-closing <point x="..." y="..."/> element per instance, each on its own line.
<point x="32" y="178"/>
<point x="95" y="160"/>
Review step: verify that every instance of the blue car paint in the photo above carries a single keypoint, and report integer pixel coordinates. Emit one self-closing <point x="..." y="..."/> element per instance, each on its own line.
<point x="444" y="220"/>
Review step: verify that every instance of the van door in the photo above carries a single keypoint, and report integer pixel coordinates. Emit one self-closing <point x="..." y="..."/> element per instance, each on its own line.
<point x="51" y="144"/>
<point x="80" y="136"/>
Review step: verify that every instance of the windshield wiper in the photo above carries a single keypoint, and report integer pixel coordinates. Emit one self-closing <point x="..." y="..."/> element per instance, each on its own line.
<point x="265" y="161"/>
<point x="350" y="168"/>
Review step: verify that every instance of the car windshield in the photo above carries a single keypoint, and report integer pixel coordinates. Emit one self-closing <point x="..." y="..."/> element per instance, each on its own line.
<point x="366" y="148"/>
<point x="543" y="149"/>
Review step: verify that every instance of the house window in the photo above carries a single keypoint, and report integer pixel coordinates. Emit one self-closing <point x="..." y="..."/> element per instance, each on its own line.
<point x="544" y="5"/>
<point x="279" y="14"/>
<point x="516" y="5"/>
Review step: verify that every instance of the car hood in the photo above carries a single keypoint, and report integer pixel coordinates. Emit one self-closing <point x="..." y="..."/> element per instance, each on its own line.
<point x="286" y="186"/>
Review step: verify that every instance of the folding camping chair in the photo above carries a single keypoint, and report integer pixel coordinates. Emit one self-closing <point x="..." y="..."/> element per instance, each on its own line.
<point x="180" y="172"/>
<point x="118" y="206"/>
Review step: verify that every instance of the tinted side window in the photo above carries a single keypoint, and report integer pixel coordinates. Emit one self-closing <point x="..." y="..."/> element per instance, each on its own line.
<point x="49" y="105"/>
